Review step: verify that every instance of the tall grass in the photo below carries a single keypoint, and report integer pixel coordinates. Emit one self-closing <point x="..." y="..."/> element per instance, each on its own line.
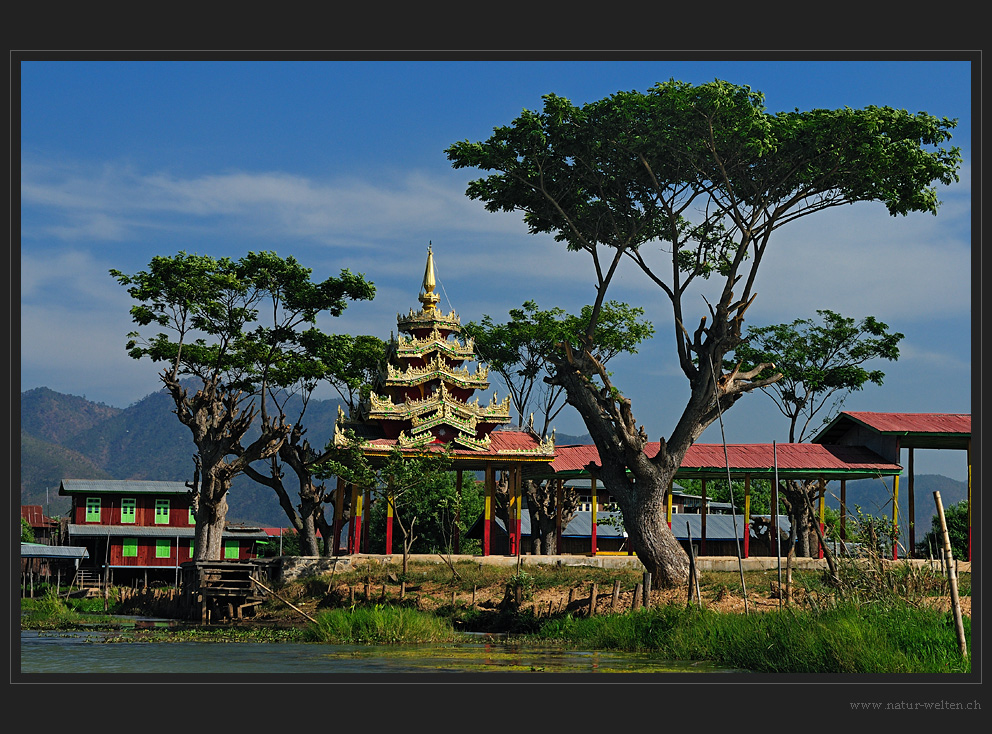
<point x="842" y="639"/>
<point x="378" y="625"/>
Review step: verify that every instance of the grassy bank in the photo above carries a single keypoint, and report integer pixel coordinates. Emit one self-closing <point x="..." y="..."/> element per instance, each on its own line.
<point x="844" y="639"/>
<point x="879" y="619"/>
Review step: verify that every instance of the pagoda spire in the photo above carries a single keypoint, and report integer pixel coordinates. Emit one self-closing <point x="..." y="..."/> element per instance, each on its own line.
<point x="428" y="297"/>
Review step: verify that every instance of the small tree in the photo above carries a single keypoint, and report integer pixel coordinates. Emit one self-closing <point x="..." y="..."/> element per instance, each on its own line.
<point x="236" y="328"/>
<point x="412" y="485"/>
<point x="520" y="351"/>
<point x="821" y="363"/>
<point x="956" y="518"/>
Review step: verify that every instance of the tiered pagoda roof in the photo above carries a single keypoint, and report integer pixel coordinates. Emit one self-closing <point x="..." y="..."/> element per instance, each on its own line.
<point x="423" y="393"/>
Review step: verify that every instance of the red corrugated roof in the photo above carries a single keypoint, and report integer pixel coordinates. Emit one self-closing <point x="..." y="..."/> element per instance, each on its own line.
<point x="749" y="457"/>
<point x="35" y="516"/>
<point x="914" y="422"/>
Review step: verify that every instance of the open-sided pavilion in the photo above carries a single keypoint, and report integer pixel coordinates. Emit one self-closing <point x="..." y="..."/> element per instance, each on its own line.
<point x="708" y="462"/>
<point x="889" y="433"/>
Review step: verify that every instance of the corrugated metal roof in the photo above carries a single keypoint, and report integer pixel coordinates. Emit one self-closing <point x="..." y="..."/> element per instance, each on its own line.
<point x="121" y="486"/>
<point x="36" y="550"/>
<point x="911" y="430"/>
<point x="151" y="531"/>
<point x="791" y="459"/>
<point x="718" y="527"/>
<point x="35" y="516"/>
<point x="915" y="422"/>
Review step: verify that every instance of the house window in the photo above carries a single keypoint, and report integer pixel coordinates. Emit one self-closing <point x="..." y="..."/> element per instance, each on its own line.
<point x="128" y="505"/>
<point x="130" y="548"/>
<point x="231" y="549"/>
<point x="92" y="509"/>
<point x="192" y="548"/>
<point x="163" y="548"/>
<point x="161" y="512"/>
<point x="192" y="518"/>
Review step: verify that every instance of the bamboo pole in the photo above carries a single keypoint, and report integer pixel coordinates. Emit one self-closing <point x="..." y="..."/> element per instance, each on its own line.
<point x="284" y="601"/>
<point x="951" y="578"/>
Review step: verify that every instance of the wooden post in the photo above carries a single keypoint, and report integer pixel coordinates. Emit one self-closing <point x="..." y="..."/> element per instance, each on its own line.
<point x="635" y="603"/>
<point x="747" y="515"/>
<point x="592" y="601"/>
<point x="487" y="515"/>
<point x="616" y="594"/>
<point x="951" y="577"/>
<point x="647" y="590"/>
<point x="593" y="531"/>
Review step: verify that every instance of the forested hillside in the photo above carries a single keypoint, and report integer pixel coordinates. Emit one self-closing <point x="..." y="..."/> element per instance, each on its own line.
<point x="66" y="436"/>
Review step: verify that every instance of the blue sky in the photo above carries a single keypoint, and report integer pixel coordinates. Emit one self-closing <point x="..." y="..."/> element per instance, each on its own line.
<point x="341" y="164"/>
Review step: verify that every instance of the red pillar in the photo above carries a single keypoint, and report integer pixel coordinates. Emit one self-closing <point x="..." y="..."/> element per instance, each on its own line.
<point x="518" y="523"/>
<point x="559" y="491"/>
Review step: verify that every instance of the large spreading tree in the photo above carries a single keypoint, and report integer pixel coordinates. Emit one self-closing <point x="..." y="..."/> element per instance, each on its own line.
<point x="688" y="182"/>
<point x="236" y="329"/>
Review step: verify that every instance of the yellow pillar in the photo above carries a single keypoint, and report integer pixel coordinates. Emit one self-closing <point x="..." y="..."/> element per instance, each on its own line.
<point x="822" y="509"/>
<point x="895" y="515"/>
<point x="747" y="514"/>
<point x="969" y="499"/>
<point x="668" y="503"/>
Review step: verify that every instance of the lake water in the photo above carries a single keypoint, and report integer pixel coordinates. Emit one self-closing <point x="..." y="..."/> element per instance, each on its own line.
<point x="68" y="653"/>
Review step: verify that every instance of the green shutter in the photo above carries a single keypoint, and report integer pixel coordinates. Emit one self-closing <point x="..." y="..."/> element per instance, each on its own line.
<point x="161" y="512"/>
<point x="92" y="509"/>
<point x="231" y="549"/>
<point x="130" y="548"/>
<point x="163" y="548"/>
<point x="128" y="505"/>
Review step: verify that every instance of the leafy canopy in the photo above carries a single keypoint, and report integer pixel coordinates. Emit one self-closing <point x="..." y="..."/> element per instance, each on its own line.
<point x="252" y="319"/>
<point x="818" y="360"/>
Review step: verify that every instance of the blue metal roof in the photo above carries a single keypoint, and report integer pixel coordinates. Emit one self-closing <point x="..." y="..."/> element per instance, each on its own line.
<point x="37" y="550"/>
<point x="121" y="486"/>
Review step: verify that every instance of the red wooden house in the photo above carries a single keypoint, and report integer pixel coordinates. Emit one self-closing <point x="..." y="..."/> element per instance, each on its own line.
<point x="136" y="528"/>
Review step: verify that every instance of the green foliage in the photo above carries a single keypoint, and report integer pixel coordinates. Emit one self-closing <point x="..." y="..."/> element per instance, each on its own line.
<point x="956" y="519"/>
<point x="27" y="532"/>
<point x="844" y="639"/>
<point x="818" y="361"/>
<point x="378" y="625"/>
<point x="419" y="487"/>
<point x="248" y="319"/>
<point x="520" y="350"/>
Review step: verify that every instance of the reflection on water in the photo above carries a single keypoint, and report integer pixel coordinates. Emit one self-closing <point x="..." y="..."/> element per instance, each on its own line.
<point x="89" y="652"/>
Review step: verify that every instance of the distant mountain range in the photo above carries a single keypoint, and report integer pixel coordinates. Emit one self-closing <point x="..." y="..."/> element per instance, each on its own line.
<point x="66" y="436"/>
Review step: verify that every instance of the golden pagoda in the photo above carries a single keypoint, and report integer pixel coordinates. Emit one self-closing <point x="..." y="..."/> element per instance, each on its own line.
<point x="423" y="390"/>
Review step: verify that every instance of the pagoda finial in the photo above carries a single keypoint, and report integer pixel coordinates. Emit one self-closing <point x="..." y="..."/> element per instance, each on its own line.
<point x="429" y="298"/>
